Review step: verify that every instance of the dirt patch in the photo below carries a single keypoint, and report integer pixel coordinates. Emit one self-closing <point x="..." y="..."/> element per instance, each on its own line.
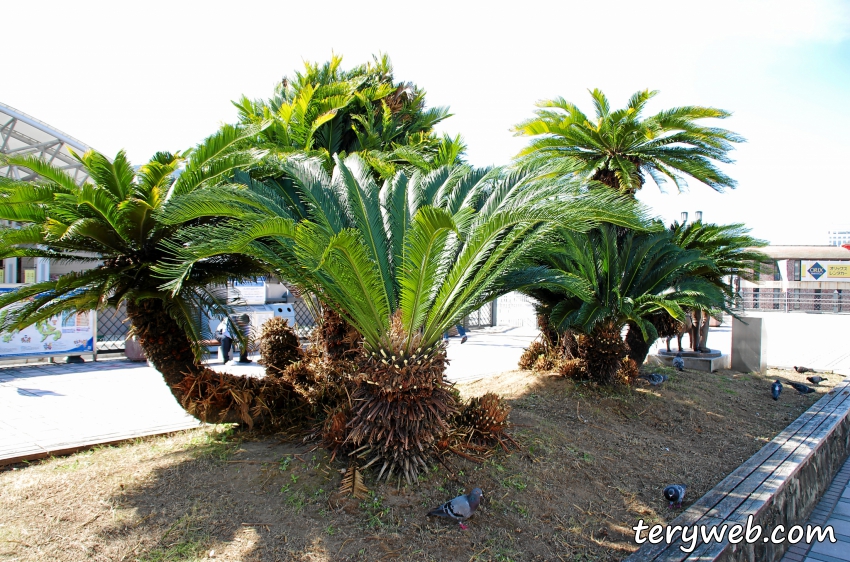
<point x="592" y="463"/>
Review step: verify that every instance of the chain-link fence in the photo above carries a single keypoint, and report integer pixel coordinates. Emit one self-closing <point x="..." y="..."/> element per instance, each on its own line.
<point x="304" y="321"/>
<point x="112" y="328"/>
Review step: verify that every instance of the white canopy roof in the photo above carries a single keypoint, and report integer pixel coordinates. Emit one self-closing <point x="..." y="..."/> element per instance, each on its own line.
<point x="23" y="134"/>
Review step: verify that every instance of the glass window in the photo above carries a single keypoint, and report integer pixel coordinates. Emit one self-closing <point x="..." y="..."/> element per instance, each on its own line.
<point x="797" y="265"/>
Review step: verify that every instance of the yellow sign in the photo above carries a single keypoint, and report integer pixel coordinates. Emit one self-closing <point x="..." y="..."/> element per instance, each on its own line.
<point x="842" y="271"/>
<point x="29" y="276"/>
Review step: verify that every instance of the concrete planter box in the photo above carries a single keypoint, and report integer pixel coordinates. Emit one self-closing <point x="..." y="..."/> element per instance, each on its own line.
<point x="708" y="363"/>
<point x="133" y="349"/>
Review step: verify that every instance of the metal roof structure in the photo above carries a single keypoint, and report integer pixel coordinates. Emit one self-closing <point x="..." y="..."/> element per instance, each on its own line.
<point x="23" y="134"/>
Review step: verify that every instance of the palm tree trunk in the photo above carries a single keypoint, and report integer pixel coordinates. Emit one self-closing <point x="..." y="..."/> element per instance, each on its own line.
<point x="401" y="406"/>
<point x="207" y="395"/>
<point x="603" y="350"/>
<point x="638" y="347"/>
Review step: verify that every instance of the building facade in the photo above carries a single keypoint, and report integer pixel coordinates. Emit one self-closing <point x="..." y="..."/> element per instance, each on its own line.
<point x="813" y="279"/>
<point x="838" y="236"/>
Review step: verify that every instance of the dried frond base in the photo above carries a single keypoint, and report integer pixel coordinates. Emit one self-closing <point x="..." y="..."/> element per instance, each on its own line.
<point x="486" y="417"/>
<point x="279" y="346"/>
<point x="265" y="402"/>
<point x="531" y="355"/>
<point x="336" y="338"/>
<point x="352" y="483"/>
<point x="629" y="372"/>
<point x="574" y="369"/>
<point x="334" y="429"/>
<point x="543" y="364"/>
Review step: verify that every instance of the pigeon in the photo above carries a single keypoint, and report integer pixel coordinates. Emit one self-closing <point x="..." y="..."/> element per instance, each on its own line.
<point x="815" y="379"/>
<point x="776" y="389"/>
<point x="678" y="362"/>
<point x="654" y="379"/>
<point x="460" y="508"/>
<point x="801" y="388"/>
<point x="675" y="494"/>
<point x="802" y="370"/>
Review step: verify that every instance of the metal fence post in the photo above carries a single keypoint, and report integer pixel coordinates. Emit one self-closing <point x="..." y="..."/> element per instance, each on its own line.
<point x="493" y="312"/>
<point x="94" y="335"/>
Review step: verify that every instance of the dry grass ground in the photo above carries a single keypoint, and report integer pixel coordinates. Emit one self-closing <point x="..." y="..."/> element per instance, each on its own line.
<point x="591" y="464"/>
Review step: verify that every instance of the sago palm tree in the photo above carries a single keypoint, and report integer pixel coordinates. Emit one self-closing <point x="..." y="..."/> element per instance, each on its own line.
<point x="401" y="262"/>
<point x="326" y="110"/>
<point x="729" y="250"/>
<point x="114" y="219"/>
<point x="603" y="281"/>
<point x="620" y="148"/>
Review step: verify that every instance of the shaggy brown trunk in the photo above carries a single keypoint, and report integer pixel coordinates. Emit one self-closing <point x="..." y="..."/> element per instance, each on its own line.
<point x="569" y="345"/>
<point x="638" y="347"/>
<point x="603" y="351"/>
<point x="401" y="406"/>
<point x="279" y="346"/>
<point x="209" y="396"/>
<point x="339" y="339"/>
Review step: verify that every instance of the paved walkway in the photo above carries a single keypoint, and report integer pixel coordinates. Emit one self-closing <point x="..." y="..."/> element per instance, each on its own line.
<point x="833" y="510"/>
<point x="48" y="408"/>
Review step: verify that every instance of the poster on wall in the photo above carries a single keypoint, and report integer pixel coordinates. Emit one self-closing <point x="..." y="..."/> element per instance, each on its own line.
<point x="248" y="292"/>
<point x="825" y="270"/>
<point x="70" y="333"/>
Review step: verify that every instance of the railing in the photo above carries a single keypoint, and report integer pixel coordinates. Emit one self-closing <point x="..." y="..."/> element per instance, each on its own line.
<point x="795" y="300"/>
<point x="481" y="318"/>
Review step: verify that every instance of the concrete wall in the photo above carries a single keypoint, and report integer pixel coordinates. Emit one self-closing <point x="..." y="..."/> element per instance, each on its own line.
<point x="749" y="345"/>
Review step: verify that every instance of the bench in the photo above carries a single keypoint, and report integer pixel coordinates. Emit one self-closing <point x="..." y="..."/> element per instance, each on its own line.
<point x="779" y="485"/>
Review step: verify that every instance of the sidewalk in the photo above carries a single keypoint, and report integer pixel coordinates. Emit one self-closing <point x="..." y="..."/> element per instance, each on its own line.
<point x="48" y="408"/>
<point x="832" y="510"/>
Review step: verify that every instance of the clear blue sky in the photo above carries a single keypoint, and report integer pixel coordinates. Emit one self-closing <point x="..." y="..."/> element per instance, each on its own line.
<point x="148" y="76"/>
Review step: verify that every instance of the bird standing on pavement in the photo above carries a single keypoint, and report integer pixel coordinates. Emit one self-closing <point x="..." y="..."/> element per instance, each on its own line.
<point x="802" y="370"/>
<point x="678" y="362"/>
<point x="674" y="494"/>
<point x="460" y="508"/>
<point x="776" y="389"/>
<point x="801" y="388"/>
<point x="815" y="379"/>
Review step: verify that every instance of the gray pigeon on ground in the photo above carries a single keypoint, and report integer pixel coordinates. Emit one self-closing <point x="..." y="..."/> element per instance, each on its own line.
<point x="802" y="370"/>
<point x="674" y="494"/>
<point x="461" y="508"/>
<point x="678" y="362"/>
<point x="776" y="389"/>
<point x="654" y="379"/>
<point x="815" y="379"/>
<point x="801" y="388"/>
